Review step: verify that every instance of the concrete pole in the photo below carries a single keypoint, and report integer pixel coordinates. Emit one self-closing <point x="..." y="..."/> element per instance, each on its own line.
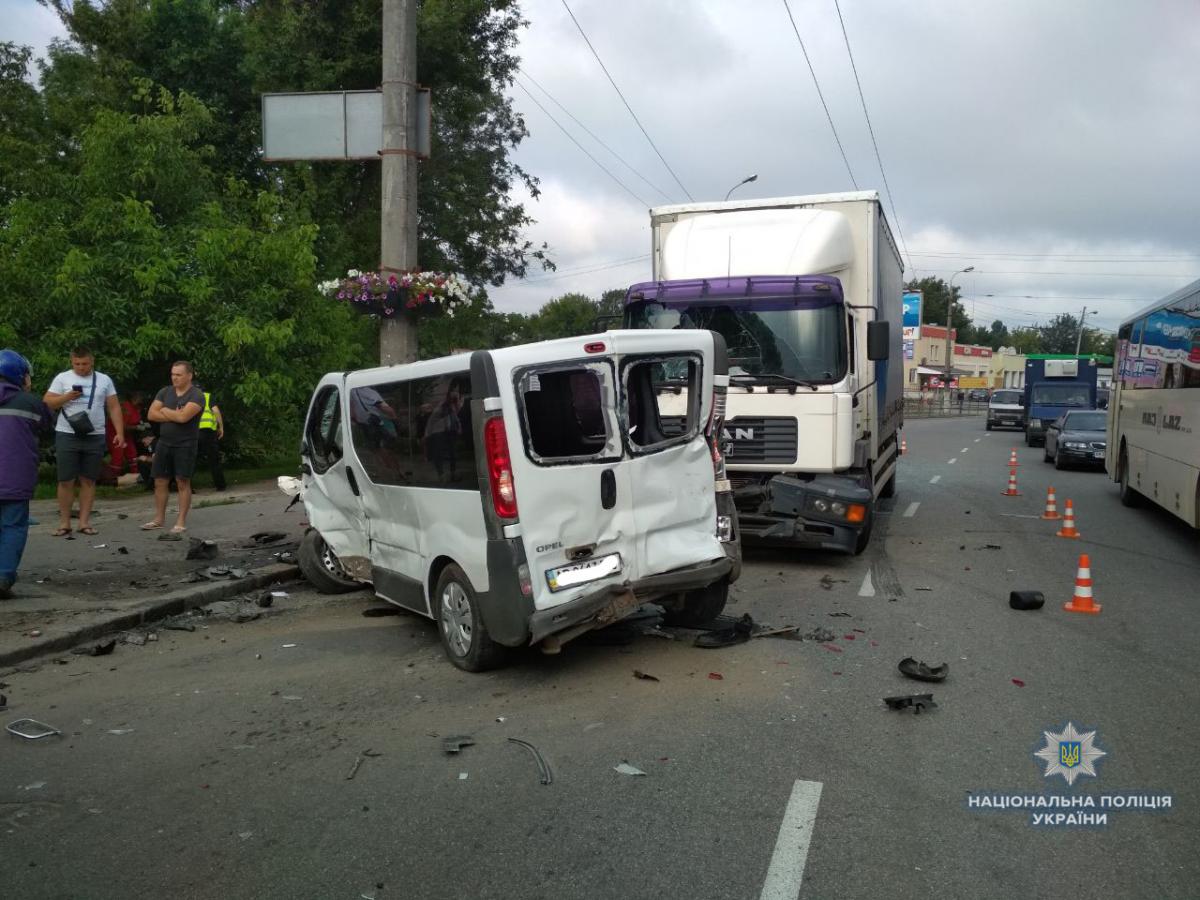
<point x="1079" y="337"/>
<point x="398" y="206"/>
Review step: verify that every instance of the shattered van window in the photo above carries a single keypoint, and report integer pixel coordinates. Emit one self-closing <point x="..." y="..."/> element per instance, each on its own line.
<point x="661" y="401"/>
<point x="566" y="414"/>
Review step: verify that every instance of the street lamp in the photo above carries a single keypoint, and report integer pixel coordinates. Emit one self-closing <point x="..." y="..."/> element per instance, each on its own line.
<point x="949" y="319"/>
<point x="746" y="180"/>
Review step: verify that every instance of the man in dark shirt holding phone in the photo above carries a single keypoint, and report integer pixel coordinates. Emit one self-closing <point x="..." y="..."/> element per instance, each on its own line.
<point x="177" y="410"/>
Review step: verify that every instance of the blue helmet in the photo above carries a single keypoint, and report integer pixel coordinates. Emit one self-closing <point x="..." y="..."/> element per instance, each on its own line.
<point x="14" y="367"/>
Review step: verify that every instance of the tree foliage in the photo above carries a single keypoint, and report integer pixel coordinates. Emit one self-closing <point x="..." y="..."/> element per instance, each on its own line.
<point x="935" y="294"/>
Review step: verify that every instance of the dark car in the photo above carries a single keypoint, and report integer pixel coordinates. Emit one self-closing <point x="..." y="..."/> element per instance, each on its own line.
<point x="1077" y="438"/>
<point x="977" y="395"/>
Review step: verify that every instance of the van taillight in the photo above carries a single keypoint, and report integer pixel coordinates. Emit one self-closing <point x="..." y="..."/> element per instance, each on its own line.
<point x="500" y="476"/>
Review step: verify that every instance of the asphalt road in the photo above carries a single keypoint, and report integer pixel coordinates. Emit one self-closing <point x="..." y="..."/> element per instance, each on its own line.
<point x="228" y="774"/>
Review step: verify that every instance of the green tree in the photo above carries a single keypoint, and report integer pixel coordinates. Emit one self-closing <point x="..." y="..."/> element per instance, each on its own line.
<point x="565" y="316"/>
<point x="997" y="335"/>
<point x="1027" y="340"/>
<point x="479" y="327"/>
<point x="1061" y="335"/>
<point x="24" y="129"/>
<point x="149" y="255"/>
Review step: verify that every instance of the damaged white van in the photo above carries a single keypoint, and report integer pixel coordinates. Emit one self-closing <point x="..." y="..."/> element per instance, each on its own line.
<point x="526" y="495"/>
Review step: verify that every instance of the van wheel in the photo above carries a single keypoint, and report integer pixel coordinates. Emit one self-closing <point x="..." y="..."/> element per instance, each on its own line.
<point x="460" y="626"/>
<point x="321" y="567"/>
<point x="1129" y="496"/>
<point x="988" y="426"/>
<point x="699" y="607"/>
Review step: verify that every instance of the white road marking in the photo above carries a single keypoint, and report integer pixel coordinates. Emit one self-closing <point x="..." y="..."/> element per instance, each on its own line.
<point x="867" y="589"/>
<point x="935" y="479"/>
<point x="786" y="872"/>
<point x="964" y="449"/>
<point x="977" y="440"/>
<point x="953" y="461"/>
<point x="912" y="509"/>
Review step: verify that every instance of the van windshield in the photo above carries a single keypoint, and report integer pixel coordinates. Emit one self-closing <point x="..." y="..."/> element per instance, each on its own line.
<point x="1061" y="395"/>
<point x="1009" y="398"/>
<point x="802" y="341"/>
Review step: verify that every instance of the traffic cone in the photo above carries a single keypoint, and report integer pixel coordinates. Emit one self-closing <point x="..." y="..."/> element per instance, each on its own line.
<point x="1012" y="459"/>
<point x="1082" y="601"/>
<point x="903" y="446"/>
<point x="1012" y="485"/>
<point x="1068" y="529"/>
<point x="1051" y="505"/>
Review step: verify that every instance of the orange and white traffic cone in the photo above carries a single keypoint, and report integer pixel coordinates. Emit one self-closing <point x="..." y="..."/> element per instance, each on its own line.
<point x="1012" y="485"/>
<point x="1051" y="505"/>
<point x="1082" y="601"/>
<point x="1068" y="529"/>
<point x="1012" y="459"/>
<point x="903" y="446"/>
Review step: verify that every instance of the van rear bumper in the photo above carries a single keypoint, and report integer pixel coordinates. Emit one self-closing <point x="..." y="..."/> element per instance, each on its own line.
<point x="613" y="601"/>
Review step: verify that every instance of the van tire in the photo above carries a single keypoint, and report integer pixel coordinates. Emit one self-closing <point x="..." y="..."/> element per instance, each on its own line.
<point x="464" y="637"/>
<point x="988" y="426"/>
<point x="321" y="567"/>
<point x="699" y="607"/>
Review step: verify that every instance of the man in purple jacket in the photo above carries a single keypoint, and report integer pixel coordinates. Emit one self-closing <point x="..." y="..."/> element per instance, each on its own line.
<point x="22" y="416"/>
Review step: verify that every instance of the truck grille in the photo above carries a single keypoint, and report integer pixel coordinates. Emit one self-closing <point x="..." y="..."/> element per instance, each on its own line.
<point x="754" y="440"/>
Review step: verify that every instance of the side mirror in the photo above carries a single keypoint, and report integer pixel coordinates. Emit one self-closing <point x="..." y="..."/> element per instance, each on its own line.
<point x="878" y="340"/>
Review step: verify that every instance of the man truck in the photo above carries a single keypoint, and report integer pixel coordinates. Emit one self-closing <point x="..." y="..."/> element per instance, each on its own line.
<point x="807" y="293"/>
<point x="1053" y="385"/>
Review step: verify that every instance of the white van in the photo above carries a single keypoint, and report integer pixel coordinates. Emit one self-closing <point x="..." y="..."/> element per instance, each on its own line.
<point x="1006" y="409"/>
<point x="526" y="495"/>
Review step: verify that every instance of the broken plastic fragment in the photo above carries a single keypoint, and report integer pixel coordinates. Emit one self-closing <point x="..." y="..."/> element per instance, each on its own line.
<point x="916" y="701"/>
<point x="627" y="769"/>
<point x="456" y="743"/>
<point x="716" y="676"/>
<point x="639" y="674"/>
<point x="1018" y="682"/>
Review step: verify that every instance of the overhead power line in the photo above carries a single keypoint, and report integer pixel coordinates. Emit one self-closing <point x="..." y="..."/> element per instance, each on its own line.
<point x="870" y="128"/>
<point x="589" y="270"/>
<point x="595" y="137"/>
<point x="1064" y="257"/>
<point x="626" y="102"/>
<point x="817" y="84"/>
<point x="979" y="272"/>
<point x="623" y="185"/>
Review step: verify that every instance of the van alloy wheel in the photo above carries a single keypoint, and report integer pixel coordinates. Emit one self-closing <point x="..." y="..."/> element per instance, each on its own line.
<point x="457" y="621"/>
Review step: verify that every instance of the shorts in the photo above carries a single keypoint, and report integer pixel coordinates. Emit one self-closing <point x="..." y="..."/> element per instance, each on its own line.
<point x="78" y="455"/>
<point x="174" y="461"/>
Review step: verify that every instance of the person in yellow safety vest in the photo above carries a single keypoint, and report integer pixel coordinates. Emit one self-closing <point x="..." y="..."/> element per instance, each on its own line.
<point x="212" y="430"/>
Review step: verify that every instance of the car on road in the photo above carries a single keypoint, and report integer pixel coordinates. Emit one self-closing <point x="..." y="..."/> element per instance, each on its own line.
<point x="1006" y="409"/>
<point x="977" y="395"/>
<point x="1077" y="438"/>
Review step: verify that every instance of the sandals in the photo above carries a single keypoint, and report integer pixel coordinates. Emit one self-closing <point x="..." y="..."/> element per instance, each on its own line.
<point x="88" y="530"/>
<point x="150" y="526"/>
<point x="61" y="532"/>
<point x="178" y="530"/>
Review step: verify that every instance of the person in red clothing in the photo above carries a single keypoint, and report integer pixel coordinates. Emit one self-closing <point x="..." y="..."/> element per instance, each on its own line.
<point x="124" y="458"/>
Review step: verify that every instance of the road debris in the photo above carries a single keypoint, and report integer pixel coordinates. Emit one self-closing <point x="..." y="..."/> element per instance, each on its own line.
<point x="455" y="744"/>
<point x="201" y="549"/>
<point x="827" y="583"/>
<point x="639" y="674"/>
<point x="832" y="648"/>
<point x="288" y="646"/>
<point x="99" y="546"/>
<point x="375" y="612"/>
<point x="31" y="729"/>
<point x="922" y="672"/>
<point x="366" y="754"/>
<point x="844" y="615"/>
<point x="544" y="773"/>
<point x="716" y="676"/>
<point x="788" y="631"/>
<point x="262" y="538"/>
<point x="918" y="702"/>
<point x="135" y="638"/>
<point x="738" y="633"/>
<point x="96" y="649"/>
<point x="36" y="632"/>
<point x="626" y="769"/>
<point x="120" y="731"/>
<point x="124" y="551"/>
<point x="1018" y="682"/>
<point x="1026" y="600"/>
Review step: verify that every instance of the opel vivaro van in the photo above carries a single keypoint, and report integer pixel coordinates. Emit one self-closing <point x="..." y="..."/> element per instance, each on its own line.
<point x="528" y="494"/>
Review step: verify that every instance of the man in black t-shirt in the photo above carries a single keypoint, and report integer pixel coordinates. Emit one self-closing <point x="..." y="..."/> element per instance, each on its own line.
<point x="177" y="410"/>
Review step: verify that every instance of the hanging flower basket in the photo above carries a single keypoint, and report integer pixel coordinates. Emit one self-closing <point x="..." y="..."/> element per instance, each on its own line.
<point x="406" y="293"/>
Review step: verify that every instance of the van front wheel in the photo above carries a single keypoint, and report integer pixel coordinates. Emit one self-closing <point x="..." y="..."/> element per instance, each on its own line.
<point x="464" y="636"/>
<point x="699" y="607"/>
<point x="321" y="567"/>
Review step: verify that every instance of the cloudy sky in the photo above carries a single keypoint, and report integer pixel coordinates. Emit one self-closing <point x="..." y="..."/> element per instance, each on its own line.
<point x="1053" y="146"/>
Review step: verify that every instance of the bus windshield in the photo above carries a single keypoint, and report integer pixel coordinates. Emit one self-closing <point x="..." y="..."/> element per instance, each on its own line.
<point x="1075" y="394"/>
<point x="803" y="342"/>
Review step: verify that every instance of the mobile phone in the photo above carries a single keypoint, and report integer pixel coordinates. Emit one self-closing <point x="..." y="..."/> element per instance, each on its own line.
<point x="78" y="387"/>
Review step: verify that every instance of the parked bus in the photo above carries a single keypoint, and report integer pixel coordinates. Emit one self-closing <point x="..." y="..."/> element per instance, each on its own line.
<point x="1154" y="410"/>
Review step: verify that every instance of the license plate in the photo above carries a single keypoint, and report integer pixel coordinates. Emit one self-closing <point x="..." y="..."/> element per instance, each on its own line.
<point x="580" y="573"/>
<point x="1099" y="454"/>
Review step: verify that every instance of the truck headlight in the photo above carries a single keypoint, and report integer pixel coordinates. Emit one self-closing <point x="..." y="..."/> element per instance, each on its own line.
<point x="837" y="509"/>
<point x="725" y="529"/>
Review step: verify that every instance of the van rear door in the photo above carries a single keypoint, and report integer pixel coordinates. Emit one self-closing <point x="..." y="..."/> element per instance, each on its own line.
<point x="667" y="389"/>
<point x="573" y="500"/>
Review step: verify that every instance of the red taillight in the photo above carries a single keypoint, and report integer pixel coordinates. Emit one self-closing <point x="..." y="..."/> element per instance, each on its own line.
<point x="500" y="476"/>
<point x="594" y="347"/>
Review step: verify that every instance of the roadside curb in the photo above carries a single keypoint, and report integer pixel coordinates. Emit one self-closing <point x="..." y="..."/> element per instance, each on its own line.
<point x="152" y="610"/>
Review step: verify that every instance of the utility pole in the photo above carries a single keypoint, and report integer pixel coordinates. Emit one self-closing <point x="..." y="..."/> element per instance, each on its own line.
<point x="1079" y="338"/>
<point x="398" y="195"/>
<point x="949" y="320"/>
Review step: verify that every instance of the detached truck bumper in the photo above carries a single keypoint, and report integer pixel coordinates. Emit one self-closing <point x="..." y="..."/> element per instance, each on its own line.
<point x="826" y="512"/>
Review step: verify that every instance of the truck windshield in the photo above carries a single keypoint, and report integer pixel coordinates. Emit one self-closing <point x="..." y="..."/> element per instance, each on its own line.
<point x="804" y="342"/>
<point x="1061" y="395"/>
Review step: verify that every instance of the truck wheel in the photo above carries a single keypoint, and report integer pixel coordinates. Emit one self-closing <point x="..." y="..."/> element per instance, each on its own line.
<point x="321" y="567"/>
<point x="701" y="606"/>
<point x="464" y="636"/>
<point x="1129" y="496"/>
<point x="889" y="489"/>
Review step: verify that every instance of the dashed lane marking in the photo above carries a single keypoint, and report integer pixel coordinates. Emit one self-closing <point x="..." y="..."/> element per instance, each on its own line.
<point x="935" y="479"/>
<point x="912" y="509"/>
<point x="953" y="461"/>
<point x="786" y="872"/>
<point x="964" y="449"/>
